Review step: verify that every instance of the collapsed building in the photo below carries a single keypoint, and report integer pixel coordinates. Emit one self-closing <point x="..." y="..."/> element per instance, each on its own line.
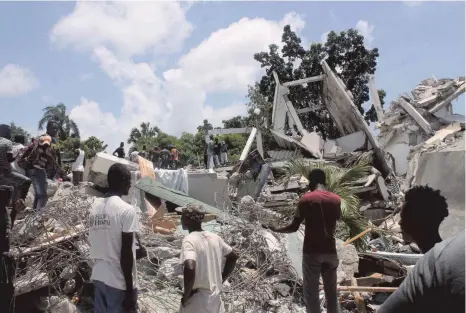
<point x="52" y="250"/>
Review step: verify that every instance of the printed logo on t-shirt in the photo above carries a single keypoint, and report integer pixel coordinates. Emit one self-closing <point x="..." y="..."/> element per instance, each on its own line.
<point x="99" y="221"/>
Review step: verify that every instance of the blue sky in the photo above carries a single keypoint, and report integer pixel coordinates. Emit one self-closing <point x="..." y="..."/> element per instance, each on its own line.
<point x="174" y="64"/>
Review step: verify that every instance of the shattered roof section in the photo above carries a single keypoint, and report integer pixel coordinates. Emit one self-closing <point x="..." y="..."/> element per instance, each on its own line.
<point x="430" y="105"/>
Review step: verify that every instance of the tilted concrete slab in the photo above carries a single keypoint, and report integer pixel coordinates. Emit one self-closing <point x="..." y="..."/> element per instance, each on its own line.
<point x="444" y="170"/>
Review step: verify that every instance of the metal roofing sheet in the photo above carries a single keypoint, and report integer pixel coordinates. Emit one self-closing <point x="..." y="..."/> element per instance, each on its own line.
<point x="156" y="188"/>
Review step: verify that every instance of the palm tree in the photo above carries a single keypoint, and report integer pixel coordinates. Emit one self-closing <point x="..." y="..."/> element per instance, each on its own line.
<point x="66" y="126"/>
<point x="339" y="181"/>
<point x="145" y="132"/>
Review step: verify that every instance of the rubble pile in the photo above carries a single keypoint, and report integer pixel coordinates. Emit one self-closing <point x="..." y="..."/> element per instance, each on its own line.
<point x="410" y="121"/>
<point x="52" y="253"/>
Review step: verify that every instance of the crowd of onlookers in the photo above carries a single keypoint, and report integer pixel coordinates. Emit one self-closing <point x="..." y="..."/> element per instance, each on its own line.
<point x="215" y="153"/>
<point x="166" y="158"/>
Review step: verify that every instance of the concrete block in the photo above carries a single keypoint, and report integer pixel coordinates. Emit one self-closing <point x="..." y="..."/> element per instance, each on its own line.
<point x="314" y="143"/>
<point x="351" y="142"/>
<point x="207" y="187"/>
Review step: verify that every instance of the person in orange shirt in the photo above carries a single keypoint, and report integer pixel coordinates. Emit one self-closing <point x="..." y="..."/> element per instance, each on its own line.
<point x="175" y="157"/>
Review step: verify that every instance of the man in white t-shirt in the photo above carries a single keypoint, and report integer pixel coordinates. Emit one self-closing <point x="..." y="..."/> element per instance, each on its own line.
<point x="113" y="224"/>
<point x="202" y="256"/>
<point x="134" y="155"/>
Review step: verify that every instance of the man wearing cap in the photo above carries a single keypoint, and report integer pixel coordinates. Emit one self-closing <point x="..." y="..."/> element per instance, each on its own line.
<point x="42" y="160"/>
<point x="202" y="256"/>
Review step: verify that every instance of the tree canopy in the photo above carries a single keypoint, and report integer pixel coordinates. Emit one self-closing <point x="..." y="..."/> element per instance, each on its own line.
<point x="344" y="52"/>
<point x="66" y="126"/>
<point x="19" y="131"/>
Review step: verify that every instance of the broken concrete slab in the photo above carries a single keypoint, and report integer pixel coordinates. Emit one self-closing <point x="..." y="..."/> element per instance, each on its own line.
<point x="352" y="142"/>
<point x="314" y="143"/>
<point x="441" y="165"/>
<point x="100" y="165"/>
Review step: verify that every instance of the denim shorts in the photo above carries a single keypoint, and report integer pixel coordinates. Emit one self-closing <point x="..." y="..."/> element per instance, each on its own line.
<point x="108" y="299"/>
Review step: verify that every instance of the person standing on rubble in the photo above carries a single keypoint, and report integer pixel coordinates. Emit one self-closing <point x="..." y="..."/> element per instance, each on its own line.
<point x="8" y="177"/>
<point x="217" y="149"/>
<point x="175" y="156"/>
<point x="18" y="148"/>
<point x="113" y="225"/>
<point x="164" y="158"/>
<point x="210" y="152"/>
<point x="42" y="160"/>
<point x="156" y="157"/>
<point x="202" y="256"/>
<point x="77" y="167"/>
<point x="436" y="284"/>
<point x="425" y="202"/>
<point x="143" y="153"/>
<point x="223" y="153"/>
<point x="120" y="151"/>
<point x="320" y="209"/>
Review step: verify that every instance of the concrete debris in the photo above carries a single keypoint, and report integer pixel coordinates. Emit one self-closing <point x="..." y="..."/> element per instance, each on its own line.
<point x="418" y="132"/>
<point x="411" y="121"/>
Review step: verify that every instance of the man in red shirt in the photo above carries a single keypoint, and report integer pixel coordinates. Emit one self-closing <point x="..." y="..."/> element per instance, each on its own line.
<point x="320" y="209"/>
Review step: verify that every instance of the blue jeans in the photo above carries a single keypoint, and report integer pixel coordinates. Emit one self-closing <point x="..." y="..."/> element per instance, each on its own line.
<point x="108" y="299"/>
<point x="40" y="184"/>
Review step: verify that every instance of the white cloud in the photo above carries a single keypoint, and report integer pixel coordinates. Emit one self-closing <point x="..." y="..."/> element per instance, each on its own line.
<point x="16" y="80"/>
<point x="224" y="61"/>
<point x="175" y="101"/>
<point x="93" y="122"/>
<point x="366" y="30"/>
<point x="129" y="28"/>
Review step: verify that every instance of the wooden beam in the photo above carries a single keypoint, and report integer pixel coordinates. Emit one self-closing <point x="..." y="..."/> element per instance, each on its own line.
<point x="304" y="81"/>
<point x="310" y="109"/>
<point x="417" y="117"/>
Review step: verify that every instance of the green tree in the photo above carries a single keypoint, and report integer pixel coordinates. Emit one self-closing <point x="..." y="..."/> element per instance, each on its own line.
<point x="205" y="126"/>
<point x="236" y="122"/>
<point x="145" y="131"/>
<point x="344" y="52"/>
<point x="92" y="146"/>
<point x="66" y="126"/>
<point x="19" y="131"/>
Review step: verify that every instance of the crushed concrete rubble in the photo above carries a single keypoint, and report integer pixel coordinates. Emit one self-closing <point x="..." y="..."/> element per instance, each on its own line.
<point x="52" y="250"/>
